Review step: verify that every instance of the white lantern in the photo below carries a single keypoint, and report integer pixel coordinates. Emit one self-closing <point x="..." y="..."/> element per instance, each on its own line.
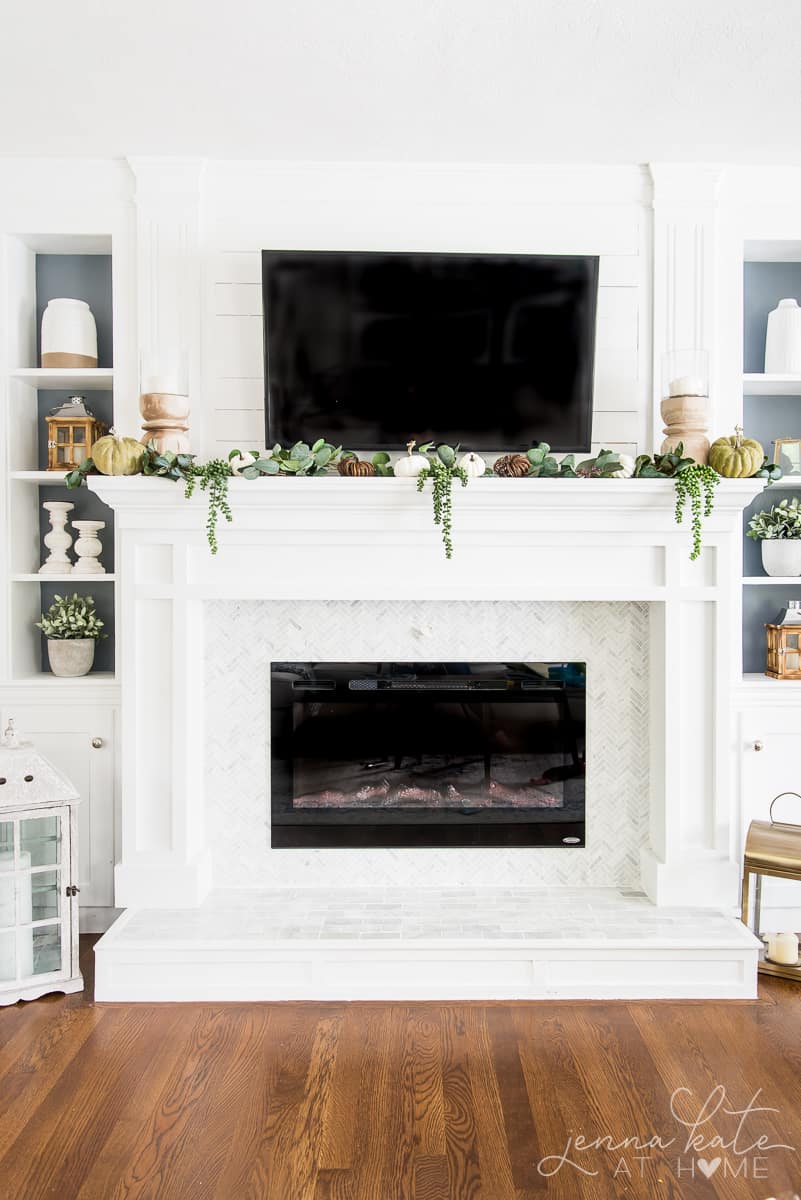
<point x="38" y="868"/>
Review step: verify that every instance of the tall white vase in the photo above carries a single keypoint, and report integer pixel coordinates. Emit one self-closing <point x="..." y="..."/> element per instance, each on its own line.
<point x="69" y="334"/>
<point x="57" y="540"/>
<point x="88" y="547"/>
<point x="783" y="341"/>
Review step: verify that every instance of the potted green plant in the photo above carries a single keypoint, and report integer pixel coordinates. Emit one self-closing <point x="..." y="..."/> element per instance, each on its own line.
<point x="72" y="627"/>
<point x="779" y="530"/>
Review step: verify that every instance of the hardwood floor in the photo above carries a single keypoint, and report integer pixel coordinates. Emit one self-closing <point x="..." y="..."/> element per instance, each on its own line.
<point x="383" y="1102"/>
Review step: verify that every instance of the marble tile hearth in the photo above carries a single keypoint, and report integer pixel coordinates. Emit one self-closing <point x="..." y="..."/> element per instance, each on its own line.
<point x="430" y="943"/>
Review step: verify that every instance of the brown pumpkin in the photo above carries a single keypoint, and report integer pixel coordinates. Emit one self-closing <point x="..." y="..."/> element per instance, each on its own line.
<point x="512" y="465"/>
<point x="355" y="466"/>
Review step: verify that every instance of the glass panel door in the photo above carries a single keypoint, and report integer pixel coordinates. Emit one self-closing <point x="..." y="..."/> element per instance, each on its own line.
<point x="35" y="922"/>
<point x="8" y="914"/>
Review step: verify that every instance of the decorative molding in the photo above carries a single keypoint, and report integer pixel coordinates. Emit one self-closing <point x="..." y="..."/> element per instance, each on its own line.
<point x="686" y="205"/>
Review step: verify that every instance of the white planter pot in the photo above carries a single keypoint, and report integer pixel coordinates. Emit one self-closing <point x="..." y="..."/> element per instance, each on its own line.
<point x="783" y="341"/>
<point x="782" y="556"/>
<point x="69" y="334"/>
<point x="70" y="657"/>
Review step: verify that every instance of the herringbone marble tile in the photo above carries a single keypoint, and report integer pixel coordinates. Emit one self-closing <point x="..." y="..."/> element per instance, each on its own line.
<point x="243" y="637"/>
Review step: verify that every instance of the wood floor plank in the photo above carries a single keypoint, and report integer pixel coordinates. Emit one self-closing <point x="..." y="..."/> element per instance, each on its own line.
<point x="464" y="1172"/>
<point x="521" y="1133"/>
<point x="252" y="1175"/>
<point x="336" y="1153"/>
<point x="558" y="1104"/>
<point x="493" y="1149"/>
<point x="298" y="1176"/>
<point x="280" y="1029"/>
<point x="378" y="1113"/>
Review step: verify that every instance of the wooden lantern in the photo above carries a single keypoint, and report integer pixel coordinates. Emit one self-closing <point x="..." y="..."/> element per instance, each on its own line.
<point x="71" y="431"/>
<point x="784" y="651"/>
<point x="772" y="848"/>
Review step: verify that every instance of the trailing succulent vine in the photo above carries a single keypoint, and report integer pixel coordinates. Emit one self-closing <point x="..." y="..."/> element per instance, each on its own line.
<point x="697" y="484"/>
<point x="212" y="477"/>
<point x="442" y="469"/>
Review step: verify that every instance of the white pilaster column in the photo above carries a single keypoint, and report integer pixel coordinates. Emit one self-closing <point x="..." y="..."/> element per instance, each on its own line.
<point x="168" y="216"/>
<point x="688" y="859"/>
<point x="686" y="273"/>
<point x="164" y="861"/>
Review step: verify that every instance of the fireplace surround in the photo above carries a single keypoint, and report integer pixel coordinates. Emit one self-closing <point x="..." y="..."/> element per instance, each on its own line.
<point x="305" y="558"/>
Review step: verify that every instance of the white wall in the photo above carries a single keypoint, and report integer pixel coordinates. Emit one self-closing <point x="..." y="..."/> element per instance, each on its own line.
<point x="404" y="80"/>
<point x="248" y="207"/>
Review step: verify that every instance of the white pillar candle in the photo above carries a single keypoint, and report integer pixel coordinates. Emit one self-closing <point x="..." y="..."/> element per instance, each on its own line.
<point x="687" y="385"/>
<point x="783" y="948"/>
<point x="166" y="384"/>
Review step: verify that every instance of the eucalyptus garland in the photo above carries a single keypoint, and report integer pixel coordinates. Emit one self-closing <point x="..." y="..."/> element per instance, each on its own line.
<point x="693" y="482"/>
<point x="697" y="484"/>
<point x="442" y="470"/>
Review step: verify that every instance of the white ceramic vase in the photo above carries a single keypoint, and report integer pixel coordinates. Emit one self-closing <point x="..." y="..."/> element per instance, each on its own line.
<point x="57" y="540"/>
<point x="71" y="657"/>
<point x="782" y="556"/>
<point x="69" y="334"/>
<point x="783" y="341"/>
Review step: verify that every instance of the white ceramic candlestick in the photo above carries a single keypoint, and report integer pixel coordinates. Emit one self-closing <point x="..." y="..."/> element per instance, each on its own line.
<point x="57" y="540"/>
<point x="88" y="547"/>
<point x="783" y="948"/>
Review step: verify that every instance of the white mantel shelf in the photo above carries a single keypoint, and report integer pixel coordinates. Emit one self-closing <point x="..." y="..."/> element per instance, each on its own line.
<point x="491" y="493"/>
<point x="335" y="538"/>
<point x="587" y="538"/>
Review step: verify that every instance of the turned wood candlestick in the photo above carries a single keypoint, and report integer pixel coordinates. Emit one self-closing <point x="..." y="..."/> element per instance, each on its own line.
<point x="686" y="421"/>
<point x="165" y="421"/>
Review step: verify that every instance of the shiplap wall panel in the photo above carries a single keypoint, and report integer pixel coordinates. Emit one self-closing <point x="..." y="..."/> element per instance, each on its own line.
<point x="234" y="361"/>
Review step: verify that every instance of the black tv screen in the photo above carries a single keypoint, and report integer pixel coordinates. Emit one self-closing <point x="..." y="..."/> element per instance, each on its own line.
<point x="372" y="349"/>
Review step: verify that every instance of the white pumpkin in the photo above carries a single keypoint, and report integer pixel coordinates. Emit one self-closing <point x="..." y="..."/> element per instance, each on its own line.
<point x="626" y="469"/>
<point x="411" y="465"/>
<point x="472" y="464"/>
<point x="246" y="459"/>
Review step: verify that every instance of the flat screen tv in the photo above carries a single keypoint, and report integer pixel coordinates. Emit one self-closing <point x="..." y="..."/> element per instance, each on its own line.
<point x="494" y="351"/>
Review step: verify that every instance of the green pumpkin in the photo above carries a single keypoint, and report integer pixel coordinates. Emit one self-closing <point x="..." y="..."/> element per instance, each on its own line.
<point x="736" y="457"/>
<point x="114" y="455"/>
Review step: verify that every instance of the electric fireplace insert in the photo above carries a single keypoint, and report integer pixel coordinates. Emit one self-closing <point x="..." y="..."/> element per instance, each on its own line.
<point x="428" y="754"/>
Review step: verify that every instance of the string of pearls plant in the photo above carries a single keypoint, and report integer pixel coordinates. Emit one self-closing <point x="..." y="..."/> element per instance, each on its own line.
<point x="442" y="469"/>
<point x="697" y="484"/>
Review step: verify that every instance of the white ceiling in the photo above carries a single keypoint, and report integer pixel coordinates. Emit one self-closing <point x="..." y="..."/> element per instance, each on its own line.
<point x="457" y="80"/>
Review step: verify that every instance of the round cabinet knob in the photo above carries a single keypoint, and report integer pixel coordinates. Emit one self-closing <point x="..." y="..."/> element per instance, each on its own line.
<point x="98" y="742"/>
<point x="759" y="745"/>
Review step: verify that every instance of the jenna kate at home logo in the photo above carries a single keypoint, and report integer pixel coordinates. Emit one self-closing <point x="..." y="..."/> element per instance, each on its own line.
<point x="711" y="1136"/>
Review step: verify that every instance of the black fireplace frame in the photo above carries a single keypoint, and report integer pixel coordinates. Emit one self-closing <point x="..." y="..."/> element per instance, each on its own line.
<point x="338" y="828"/>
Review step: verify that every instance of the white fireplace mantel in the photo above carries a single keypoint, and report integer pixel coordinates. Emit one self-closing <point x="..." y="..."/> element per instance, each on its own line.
<point x="367" y="539"/>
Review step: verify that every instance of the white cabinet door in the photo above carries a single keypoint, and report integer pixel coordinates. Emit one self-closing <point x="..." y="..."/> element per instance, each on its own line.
<point x="65" y="734"/>
<point x="770" y="763"/>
